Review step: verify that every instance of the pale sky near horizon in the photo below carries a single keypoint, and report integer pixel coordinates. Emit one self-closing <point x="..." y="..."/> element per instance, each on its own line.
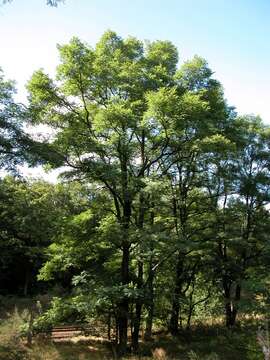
<point x="233" y="36"/>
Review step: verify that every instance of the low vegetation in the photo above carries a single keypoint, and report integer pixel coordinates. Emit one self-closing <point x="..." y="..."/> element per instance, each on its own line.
<point x="208" y="341"/>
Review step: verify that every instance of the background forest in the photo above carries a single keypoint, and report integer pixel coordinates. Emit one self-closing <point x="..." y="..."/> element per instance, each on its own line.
<point x="159" y="222"/>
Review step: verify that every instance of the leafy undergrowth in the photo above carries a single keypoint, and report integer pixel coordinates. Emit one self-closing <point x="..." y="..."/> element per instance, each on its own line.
<point x="202" y="343"/>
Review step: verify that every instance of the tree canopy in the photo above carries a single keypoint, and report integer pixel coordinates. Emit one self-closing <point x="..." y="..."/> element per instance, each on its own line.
<point x="163" y="210"/>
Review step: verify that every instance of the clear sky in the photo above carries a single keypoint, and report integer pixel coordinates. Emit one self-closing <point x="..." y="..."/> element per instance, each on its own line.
<point x="233" y="35"/>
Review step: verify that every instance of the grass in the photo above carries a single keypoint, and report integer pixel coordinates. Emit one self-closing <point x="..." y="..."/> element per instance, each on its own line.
<point x="204" y="342"/>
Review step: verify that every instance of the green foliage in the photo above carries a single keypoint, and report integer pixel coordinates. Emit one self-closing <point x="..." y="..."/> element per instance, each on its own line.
<point x="16" y="145"/>
<point x="165" y="215"/>
<point x="62" y="311"/>
<point x="32" y="214"/>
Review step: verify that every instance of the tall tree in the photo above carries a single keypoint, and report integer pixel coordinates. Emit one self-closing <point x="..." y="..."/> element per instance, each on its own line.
<point x="239" y="188"/>
<point x="98" y="105"/>
<point x="197" y="114"/>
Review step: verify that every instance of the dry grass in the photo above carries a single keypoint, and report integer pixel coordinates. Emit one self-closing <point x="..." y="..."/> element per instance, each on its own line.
<point x="11" y="345"/>
<point x="206" y="342"/>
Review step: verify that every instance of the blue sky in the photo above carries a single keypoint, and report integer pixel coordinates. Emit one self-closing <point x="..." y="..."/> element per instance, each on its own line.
<point x="232" y="35"/>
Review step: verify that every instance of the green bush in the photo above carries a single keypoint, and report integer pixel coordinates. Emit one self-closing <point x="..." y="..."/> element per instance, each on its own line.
<point x="61" y="311"/>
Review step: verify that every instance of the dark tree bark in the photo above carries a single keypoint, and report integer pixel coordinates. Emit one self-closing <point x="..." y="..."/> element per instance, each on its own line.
<point x="231" y="303"/>
<point x="173" y="325"/>
<point x="138" y="311"/>
<point x="150" y="289"/>
<point x="139" y="300"/>
<point x="123" y="308"/>
<point x="150" y="307"/>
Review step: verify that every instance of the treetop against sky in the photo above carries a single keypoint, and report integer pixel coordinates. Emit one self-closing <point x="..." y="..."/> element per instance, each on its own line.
<point x="230" y="35"/>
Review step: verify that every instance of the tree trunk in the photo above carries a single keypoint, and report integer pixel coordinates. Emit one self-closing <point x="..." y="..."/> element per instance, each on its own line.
<point x="150" y="308"/>
<point x="149" y="321"/>
<point x="116" y="330"/>
<point x="229" y="313"/>
<point x="123" y="308"/>
<point x="231" y="305"/>
<point x="138" y="311"/>
<point x="173" y="326"/>
<point x="136" y="330"/>
<point x="190" y="312"/>
<point x="139" y="300"/>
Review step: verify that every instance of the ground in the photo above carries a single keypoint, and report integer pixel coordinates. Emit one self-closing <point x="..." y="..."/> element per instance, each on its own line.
<point x="204" y="342"/>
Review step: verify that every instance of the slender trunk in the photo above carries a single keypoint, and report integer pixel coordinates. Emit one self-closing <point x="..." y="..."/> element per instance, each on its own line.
<point x="123" y="308"/>
<point x="123" y="326"/>
<point x="150" y="308"/>
<point x="150" y="315"/>
<point x="139" y="300"/>
<point x="116" y="330"/>
<point x="138" y="311"/>
<point x="228" y="301"/>
<point x="231" y="305"/>
<point x="173" y="325"/>
<point x="189" y="318"/>
<point x="179" y="212"/>
<point x="150" y="290"/>
<point x="149" y="321"/>
<point x="190" y="308"/>
<point x="228" y="311"/>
